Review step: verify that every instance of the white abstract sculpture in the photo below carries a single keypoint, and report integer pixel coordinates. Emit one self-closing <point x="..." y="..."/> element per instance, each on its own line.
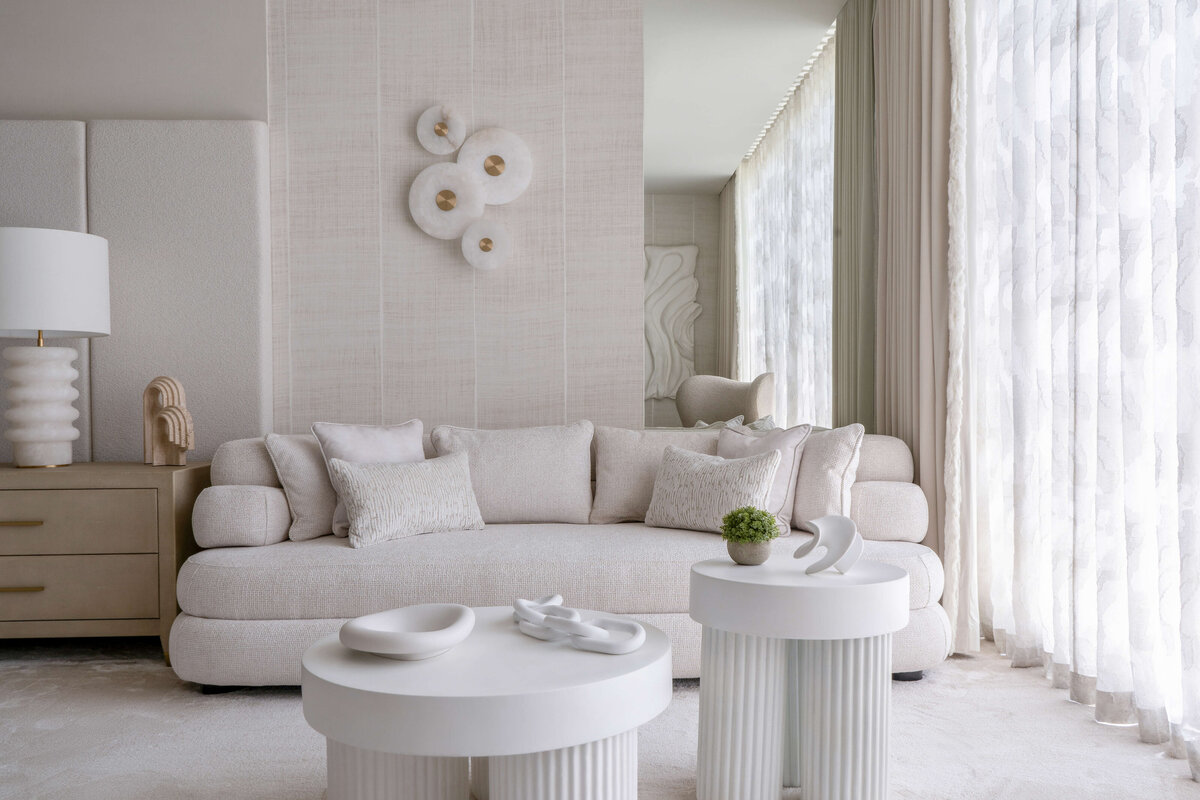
<point x="167" y="432"/>
<point x="444" y="200"/>
<point x="412" y="633"/>
<point x="839" y="536"/>
<point x="486" y="245"/>
<point x="440" y="130"/>
<point x="501" y="162"/>
<point x="549" y="620"/>
<point x="671" y="311"/>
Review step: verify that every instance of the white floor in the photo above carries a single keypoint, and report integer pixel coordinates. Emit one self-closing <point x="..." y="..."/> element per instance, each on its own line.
<point x="108" y="720"/>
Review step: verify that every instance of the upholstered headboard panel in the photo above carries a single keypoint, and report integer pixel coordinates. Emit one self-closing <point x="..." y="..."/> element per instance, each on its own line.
<point x="184" y="206"/>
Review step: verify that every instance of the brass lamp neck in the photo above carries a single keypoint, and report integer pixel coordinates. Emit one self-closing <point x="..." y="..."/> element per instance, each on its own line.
<point x="40" y="342"/>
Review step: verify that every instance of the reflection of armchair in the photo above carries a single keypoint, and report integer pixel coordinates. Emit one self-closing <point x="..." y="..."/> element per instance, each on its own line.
<point x="710" y="398"/>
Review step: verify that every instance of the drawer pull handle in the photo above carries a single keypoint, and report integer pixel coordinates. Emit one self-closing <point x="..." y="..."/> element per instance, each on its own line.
<point x="22" y="588"/>
<point x="20" y="523"/>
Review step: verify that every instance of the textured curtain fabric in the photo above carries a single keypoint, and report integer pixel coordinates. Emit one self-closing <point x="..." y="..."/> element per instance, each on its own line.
<point x="784" y="209"/>
<point x="854" y="218"/>
<point x="912" y="118"/>
<point x="727" y="284"/>
<point x="1074" y="469"/>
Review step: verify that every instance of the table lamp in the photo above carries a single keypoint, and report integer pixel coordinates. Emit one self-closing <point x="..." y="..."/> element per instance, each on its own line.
<point x="52" y="284"/>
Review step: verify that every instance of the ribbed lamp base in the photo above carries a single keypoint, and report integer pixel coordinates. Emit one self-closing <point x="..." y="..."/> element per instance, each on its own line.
<point x="40" y="411"/>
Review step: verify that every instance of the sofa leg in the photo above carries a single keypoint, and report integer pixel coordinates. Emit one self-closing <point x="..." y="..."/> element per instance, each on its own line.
<point x="208" y="688"/>
<point x="908" y="676"/>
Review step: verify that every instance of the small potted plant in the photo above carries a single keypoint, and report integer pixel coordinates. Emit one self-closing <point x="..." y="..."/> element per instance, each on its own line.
<point x="748" y="532"/>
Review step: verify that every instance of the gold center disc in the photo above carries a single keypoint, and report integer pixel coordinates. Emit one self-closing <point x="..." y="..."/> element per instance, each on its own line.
<point x="441" y="129"/>
<point x="446" y="200"/>
<point x="485" y="244"/>
<point x="493" y="165"/>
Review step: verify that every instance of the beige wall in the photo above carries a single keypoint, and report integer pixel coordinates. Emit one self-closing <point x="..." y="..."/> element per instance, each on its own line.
<point x="689" y="219"/>
<point x="133" y="59"/>
<point x="375" y="321"/>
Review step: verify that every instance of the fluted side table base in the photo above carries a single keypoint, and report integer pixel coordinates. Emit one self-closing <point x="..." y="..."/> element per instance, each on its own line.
<point x="600" y="770"/>
<point x="358" y="774"/>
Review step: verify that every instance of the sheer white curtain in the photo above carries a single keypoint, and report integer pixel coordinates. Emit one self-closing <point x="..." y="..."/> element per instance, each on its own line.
<point x="784" y="212"/>
<point x="1073" y="441"/>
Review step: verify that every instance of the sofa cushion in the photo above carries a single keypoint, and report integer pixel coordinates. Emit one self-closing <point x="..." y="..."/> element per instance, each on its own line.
<point x="305" y="479"/>
<point x="884" y="458"/>
<point x="695" y="491"/>
<point x="739" y="441"/>
<point x="526" y="474"/>
<point x="889" y="511"/>
<point x="240" y="516"/>
<point x="243" y="462"/>
<point x="828" y="467"/>
<point x="627" y="463"/>
<point x="367" y="444"/>
<point x="623" y="569"/>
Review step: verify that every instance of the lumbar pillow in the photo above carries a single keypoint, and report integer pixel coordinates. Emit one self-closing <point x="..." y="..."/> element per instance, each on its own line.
<point x="526" y="474"/>
<point x="310" y="495"/>
<point x="368" y="444"/>
<point x="695" y="491"/>
<point x="828" y="468"/>
<point x="627" y="463"/>
<point x="392" y="501"/>
<point x="741" y="441"/>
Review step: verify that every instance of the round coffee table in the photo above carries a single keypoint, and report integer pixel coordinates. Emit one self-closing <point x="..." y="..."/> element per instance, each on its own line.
<point x="795" y="678"/>
<point x="538" y="720"/>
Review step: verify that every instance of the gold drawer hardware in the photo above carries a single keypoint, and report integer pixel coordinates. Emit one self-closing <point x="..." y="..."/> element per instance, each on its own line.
<point x="22" y="588"/>
<point x="19" y="523"/>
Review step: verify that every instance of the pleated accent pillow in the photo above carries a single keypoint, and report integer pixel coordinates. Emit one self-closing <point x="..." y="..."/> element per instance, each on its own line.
<point x="392" y="501"/>
<point x="694" y="491"/>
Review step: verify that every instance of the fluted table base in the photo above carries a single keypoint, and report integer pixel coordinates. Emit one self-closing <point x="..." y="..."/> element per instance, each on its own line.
<point x="358" y="774"/>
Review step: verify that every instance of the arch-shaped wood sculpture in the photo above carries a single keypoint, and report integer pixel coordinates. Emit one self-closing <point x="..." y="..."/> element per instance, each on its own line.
<point x="167" y="432"/>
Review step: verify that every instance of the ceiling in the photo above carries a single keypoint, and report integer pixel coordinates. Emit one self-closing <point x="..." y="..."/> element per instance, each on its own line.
<point x="715" y="71"/>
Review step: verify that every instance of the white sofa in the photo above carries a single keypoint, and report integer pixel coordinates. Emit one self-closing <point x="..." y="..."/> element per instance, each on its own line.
<point x="249" y="612"/>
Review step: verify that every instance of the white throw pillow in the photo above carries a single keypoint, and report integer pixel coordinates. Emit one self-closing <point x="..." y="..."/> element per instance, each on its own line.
<point x="627" y="463"/>
<point x="392" y="501"/>
<point x="741" y="441"/>
<point x="368" y="444"/>
<point x="738" y="420"/>
<point x="695" y="491"/>
<point x="828" y="468"/>
<point x="305" y="480"/>
<point x="526" y="474"/>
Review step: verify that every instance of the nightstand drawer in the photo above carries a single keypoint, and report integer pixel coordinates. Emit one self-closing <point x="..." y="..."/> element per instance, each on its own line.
<point x="53" y="521"/>
<point x="79" y="587"/>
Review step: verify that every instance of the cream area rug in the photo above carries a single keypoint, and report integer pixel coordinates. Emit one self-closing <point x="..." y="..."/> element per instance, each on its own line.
<point x="101" y="719"/>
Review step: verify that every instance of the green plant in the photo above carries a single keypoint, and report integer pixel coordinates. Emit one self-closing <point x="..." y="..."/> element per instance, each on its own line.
<point x="749" y="524"/>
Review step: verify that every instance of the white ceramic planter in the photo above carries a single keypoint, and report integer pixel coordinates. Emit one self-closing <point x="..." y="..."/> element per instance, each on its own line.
<point x="411" y="633"/>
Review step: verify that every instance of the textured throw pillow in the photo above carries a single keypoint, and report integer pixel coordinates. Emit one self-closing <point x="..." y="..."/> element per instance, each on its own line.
<point x="310" y="495"/>
<point x="828" y="468"/>
<point x="738" y="420"/>
<point x="368" y="444"/>
<point x="627" y="462"/>
<point x="526" y="474"/>
<point x="694" y="491"/>
<point x="741" y="441"/>
<point x="392" y="501"/>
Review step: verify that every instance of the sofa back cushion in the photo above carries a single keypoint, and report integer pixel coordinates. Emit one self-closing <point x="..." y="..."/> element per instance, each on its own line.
<point x="627" y="463"/>
<point x="884" y="458"/>
<point x="301" y="469"/>
<point x="232" y="515"/>
<point x="526" y="474"/>
<point x="828" y="468"/>
<point x="243" y="462"/>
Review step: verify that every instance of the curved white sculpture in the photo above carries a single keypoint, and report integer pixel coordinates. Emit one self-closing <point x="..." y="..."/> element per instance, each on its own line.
<point x="531" y="617"/>
<point x="40" y="413"/>
<point x="549" y="620"/>
<point x="671" y="311"/>
<point x="444" y="200"/>
<point x="501" y="162"/>
<point x="167" y="432"/>
<point x="440" y="130"/>
<point x="486" y="245"/>
<point x="839" y="536"/>
<point x="412" y="633"/>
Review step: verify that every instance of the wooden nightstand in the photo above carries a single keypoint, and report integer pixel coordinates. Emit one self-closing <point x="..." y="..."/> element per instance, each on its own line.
<point x="92" y="549"/>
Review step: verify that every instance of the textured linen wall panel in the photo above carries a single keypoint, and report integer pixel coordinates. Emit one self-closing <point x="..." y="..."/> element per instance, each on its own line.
<point x="281" y="295"/>
<point x="602" y="121"/>
<point x="185" y="210"/>
<point x="42" y="186"/>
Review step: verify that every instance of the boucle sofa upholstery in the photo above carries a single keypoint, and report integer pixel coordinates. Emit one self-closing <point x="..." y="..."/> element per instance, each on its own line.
<point x="248" y="613"/>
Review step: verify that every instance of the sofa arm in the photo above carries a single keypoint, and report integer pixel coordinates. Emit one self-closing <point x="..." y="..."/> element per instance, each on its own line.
<point x="240" y="516"/>
<point x="889" y="511"/>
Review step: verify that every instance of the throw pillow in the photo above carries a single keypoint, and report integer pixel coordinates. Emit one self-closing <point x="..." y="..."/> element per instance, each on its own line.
<point x="741" y="441"/>
<point x="526" y="474"/>
<point x="828" y="468"/>
<point x="310" y="495"/>
<point x="738" y="420"/>
<point x="695" y="491"/>
<point x="627" y="463"/>
<point x="368" y="444"/>
<point x="392" y="501"/>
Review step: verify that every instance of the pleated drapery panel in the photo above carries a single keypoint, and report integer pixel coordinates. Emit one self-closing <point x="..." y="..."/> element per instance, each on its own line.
<point x="784" y="211"/>
<point x="727" y="283"/>
<point x="1074" y="460"/>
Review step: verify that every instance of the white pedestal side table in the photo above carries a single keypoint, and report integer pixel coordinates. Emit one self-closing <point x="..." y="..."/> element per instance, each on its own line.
<point x="538" y="720"/>
<point x="795" y="678"/>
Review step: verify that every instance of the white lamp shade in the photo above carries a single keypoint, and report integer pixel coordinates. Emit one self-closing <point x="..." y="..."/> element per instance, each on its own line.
<point x="53" y="281"/>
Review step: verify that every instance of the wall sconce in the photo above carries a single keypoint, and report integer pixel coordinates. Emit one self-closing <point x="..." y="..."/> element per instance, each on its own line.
<point x="501" y="162"/>
<point x="485" y="245"/>
<point x="440" y="130"/>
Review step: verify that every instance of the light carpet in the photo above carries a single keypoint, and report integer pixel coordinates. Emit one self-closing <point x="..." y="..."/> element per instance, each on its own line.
<point x="104" y="719"/>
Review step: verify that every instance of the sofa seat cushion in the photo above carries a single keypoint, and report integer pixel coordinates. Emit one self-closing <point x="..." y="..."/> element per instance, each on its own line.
<point x="625" y="568"/>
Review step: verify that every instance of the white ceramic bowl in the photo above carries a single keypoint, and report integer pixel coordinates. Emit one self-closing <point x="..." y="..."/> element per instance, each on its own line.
<point x="411" y="633"/>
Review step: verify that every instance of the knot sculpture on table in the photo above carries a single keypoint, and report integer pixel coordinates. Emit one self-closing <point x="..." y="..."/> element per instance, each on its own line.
<point x="839" y="536"/>
<point x="167" y="432"/>
<point x="548" y="619"/>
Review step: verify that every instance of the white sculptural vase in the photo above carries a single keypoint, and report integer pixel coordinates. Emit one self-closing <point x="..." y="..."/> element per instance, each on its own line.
<point x="40" y="412"/>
